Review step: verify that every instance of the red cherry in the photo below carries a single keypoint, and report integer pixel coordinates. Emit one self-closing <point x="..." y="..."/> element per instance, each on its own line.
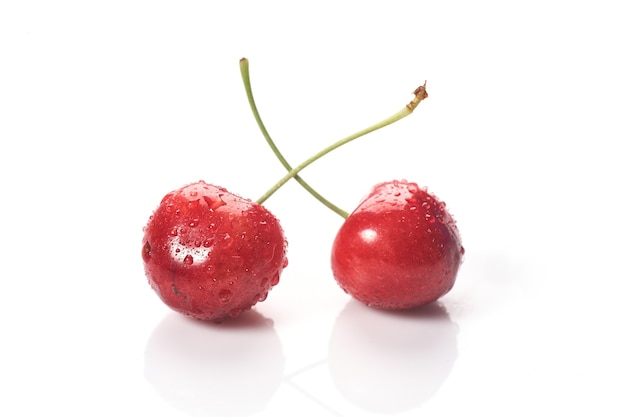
<point x="399" y="249"/>
<point x="210" y="254"/>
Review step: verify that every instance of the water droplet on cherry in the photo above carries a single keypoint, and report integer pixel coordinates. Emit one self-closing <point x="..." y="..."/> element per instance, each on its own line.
<point x="228" y="242"/>
<point x="412" y="187"/>
<point x="188" y="259"/>
<point x="146" y="252"/>
<point x="214" y="204"/>
<point x="275" y="279"/>
<point x="225" y="296"/>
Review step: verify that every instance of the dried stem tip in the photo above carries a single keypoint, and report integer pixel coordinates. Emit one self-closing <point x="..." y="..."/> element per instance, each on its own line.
<point x="420" y="94"/>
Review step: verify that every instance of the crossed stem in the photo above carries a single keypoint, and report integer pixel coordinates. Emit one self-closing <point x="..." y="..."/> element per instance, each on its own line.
<point x="419" y="95"/>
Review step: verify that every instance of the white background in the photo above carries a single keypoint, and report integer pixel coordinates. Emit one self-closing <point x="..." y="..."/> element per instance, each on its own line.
<point x="107" y="106"/>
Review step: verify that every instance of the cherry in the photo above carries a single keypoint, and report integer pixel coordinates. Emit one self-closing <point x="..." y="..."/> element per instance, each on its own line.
<point x="210" y="254"/>
<point x="399" y="249"/>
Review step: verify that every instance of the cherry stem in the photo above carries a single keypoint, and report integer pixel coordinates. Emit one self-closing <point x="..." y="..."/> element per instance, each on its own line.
<point x="420" y="94"/>
<point x="245" y="75"/>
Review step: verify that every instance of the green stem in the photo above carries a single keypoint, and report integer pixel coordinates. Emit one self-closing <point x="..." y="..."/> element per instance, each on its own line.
<point x="420" y="94"/>
<point x="245" y="74"/>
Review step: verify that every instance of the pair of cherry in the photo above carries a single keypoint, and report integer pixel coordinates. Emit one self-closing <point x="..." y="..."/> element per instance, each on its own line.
<point x="211" y="254"/>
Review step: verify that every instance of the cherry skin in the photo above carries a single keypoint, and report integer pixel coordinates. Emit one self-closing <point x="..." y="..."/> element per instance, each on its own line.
<point x="210" y="254"/>
<point x="399" y="249"/>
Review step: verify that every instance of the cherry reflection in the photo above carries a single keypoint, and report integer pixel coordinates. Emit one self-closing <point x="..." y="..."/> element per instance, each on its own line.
<point x="228" y="369"/>
<point x="390" y="362"/>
